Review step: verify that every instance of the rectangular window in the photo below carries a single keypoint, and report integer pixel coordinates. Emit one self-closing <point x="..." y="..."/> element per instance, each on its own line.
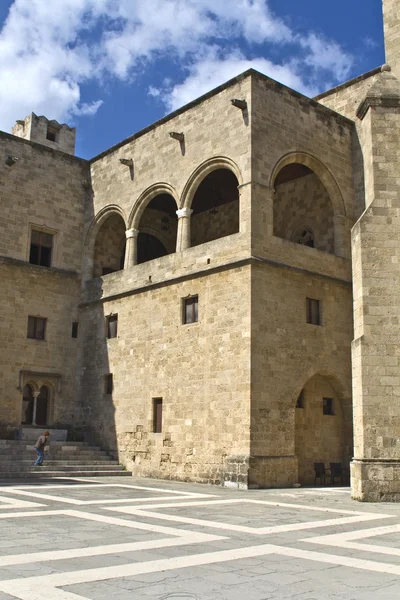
<point x="112" y="326"/>
<point x="36" y="328"/>
<point x="157" y="415"/>
<point x="191" y="310"/>
<point x="313" y="311"/>
<point x="74" y="332"/>
<point x="41" y="248"/>
<point x="327" y="406"/>
<point x="108" y="383"/>
<point x="51" y="134"/>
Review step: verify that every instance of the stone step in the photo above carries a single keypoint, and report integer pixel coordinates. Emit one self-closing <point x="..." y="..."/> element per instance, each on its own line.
<point x="55" y="442"/>
<point x="54" y="451"/>
<point x="29" y="462"/>
<point x="43" y="473"/>
<point x="47" y="467"/>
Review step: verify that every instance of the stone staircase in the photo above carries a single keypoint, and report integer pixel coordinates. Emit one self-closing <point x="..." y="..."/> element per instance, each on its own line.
<point x="61" y="459"/>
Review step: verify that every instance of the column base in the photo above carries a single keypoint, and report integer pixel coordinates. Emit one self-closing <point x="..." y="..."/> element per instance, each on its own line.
<point x="375" y="480"/>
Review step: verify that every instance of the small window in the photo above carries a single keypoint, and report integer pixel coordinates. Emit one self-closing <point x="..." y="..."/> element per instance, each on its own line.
<point x="41" y="248"/>
<point x="157" y="415"/>
<point x="191" y="310"/>
<point x="112" y="326"/>
<point x="36" y="328"/>
<point x="108" y="384"/>
<point x="327" y="406"/>
<point x="74" y="332"/>
<point x="51" y="134"/>
<point x="300" y="400"/>
<point x="304" y="236"/>
<point x="313" y="311"/>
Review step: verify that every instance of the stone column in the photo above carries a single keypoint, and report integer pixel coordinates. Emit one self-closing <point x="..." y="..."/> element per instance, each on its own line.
<point x="35" y="397"/>
<point x="131" y="248"/>
<point x="183" y="235"/>
<point x="341" y="230"/>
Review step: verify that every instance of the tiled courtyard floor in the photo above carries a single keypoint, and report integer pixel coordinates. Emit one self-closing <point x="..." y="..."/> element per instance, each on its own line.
<point x="145" y="539"/>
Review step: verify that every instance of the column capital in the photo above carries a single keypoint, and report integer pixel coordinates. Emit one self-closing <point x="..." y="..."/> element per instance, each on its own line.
<point x="35" y="394"/>
<point x="131" y="233"/>
<point x="184" y="212"/>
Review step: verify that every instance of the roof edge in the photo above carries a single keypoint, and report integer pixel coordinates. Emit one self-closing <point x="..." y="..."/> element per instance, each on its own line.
<point x="349" y="83"/>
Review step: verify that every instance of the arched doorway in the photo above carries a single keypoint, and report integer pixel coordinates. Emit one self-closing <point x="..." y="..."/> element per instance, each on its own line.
<point x="215" y="207"/>
<point x="42" y="406"/>
<point x="109" y="248"/>
<point x="320" y="428"/>
<point x="303" y="210"/>
<point x="27" y="405"/>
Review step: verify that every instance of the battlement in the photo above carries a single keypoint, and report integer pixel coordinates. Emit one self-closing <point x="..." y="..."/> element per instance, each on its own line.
<point x="47" y="132"/>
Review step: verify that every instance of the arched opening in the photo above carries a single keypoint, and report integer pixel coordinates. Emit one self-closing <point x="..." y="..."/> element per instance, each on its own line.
<point x="157" y="228"/>
<point x="215" y="207"/>
<point x="109" y="248"/>
<point x="42" y="406"/>
<point x="320" y="428"/>
<point x="303" y="210"/>
<point x="27" y="405"/>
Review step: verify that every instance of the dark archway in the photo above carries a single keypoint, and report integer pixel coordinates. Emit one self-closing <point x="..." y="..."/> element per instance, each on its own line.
<point x="215" y="207"/>
<point x="109" y="249"/>
<point x="27" y="405"/>
<point x="303" y="210"/>
<point x="157" y="228"/>
<point x="149" y="248"/>
<point x="42" y="406"/>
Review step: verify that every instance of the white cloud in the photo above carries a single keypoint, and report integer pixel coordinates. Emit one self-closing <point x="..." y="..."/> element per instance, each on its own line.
<point x="48" y="50"/>
<point x="214" y="71"/>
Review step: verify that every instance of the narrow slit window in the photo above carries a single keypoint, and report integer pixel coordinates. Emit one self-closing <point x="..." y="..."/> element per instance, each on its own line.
<point x="112" y="326"/>
<point x="313" y="311"/>
<point x="41" y="248"/>
<point x="108" y="383"/>
<point x="327" y="406"/>
<point x="74" y="332"/>
<point x="157" y="415"/>
<point x="36" y="328"/>
<point x="300" y="400"/>
<point x="191" y="310"/>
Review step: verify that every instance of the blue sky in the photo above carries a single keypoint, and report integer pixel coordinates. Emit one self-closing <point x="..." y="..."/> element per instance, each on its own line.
<point x="112" y="67"/>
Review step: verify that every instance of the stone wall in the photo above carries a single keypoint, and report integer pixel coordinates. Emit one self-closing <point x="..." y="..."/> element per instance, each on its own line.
<point x="320" y="437"/>
<point x="36" y="291"/>
<point x="304" y="202"/>
<point x="200" y="370"/>
<point x="392" y="34"/>
<point x="207" y="226"/>
<point x="42" y="189"/>
<point x="286" y="353"/>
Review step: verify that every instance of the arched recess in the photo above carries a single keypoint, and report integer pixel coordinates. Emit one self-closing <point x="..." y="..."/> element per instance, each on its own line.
<point x="105" y="243"/>
<point x="323" y="425"/>
<point x="213" y="195"/>
<point x="154" y="216"/>
<point x="308" y="205"/>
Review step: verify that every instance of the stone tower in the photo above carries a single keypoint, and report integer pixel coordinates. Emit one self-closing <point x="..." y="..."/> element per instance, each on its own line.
<point x="47" y="132"/>
<point x="391" y="13"/>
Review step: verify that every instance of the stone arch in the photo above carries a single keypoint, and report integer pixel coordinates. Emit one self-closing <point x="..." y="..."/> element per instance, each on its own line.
<point x="201" y="172"/>
<point x="94" y="228"/>
<point x="320" y="435"/>
<point x="145" y="198"/>
<point x="322" y="172"/>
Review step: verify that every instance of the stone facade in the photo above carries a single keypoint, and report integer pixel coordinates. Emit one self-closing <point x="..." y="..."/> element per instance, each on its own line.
<point x="226" y="255"/>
